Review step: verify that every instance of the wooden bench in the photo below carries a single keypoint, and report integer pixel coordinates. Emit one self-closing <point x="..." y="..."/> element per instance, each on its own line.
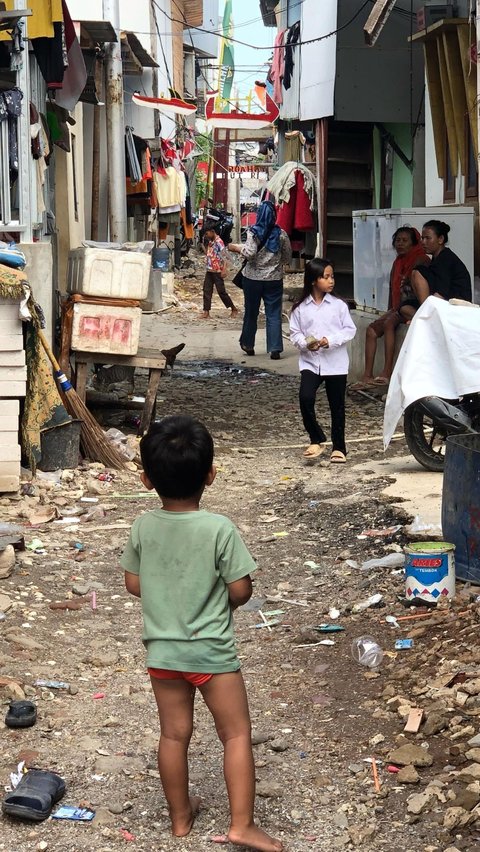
<point x="147" y="358"/>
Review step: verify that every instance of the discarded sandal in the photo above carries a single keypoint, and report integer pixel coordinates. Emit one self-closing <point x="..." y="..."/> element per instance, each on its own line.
<point x="21" y="714"/>
<point x="313" y="451"/>
<point x="338" y="457"/>
<point x="35" y="795"/>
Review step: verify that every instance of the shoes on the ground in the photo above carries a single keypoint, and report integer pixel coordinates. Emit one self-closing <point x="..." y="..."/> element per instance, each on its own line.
<point x="247" y="351"/>
<point x="275" y="356"/>
<point x="314" y="450"/>
<point x="338" y="457"/>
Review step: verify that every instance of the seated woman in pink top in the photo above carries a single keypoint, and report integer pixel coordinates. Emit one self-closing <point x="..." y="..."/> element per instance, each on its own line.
<point x="320" y="327"/>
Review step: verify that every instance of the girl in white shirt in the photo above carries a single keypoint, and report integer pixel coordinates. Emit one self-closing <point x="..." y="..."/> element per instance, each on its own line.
<point x="320" y="326"/>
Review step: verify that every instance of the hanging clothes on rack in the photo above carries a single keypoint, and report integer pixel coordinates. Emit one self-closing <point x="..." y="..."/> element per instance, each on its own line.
<point x="294" y="190"/>
<point x="294" y="146"/>
<point x="277" y="69"/>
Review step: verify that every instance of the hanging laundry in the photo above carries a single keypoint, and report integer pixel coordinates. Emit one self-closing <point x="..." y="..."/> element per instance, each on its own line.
<point x="168" y="189"/>
<point x="75" y="75"/>
<point x="45" y="13"/>
<point x="293" y="36"/>
<point x="57" y="119"/>
<point x="10" y="110"/>
<point x="295" y="146"/>
<point x="283" y="180"/>
<point x="278" y="67"/>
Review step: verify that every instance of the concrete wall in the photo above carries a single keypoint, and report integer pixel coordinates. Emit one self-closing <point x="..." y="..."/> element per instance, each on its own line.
<point x="70" y="219"/>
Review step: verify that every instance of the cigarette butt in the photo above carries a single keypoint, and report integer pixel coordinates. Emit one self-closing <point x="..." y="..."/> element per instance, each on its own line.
<point x="376" y="781"/>
<point x="94" y="600"/>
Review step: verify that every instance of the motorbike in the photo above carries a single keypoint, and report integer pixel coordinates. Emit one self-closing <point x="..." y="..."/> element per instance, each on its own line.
<point x="428" y="422"/>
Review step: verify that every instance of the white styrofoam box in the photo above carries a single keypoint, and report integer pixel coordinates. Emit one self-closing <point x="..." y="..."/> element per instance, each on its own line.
<point x="9" y="407"/>
<point x="12" y="358"/>
<point x="12" y="374"/>
<point x="105" y="328"/>
<point x="11" y="342"/>
<point x="9" y="452"/>
<point x="8" y="431"/>
<point x="12" y="388"/>
<point x="109" y="273"/>
<point x="9" y="482"/>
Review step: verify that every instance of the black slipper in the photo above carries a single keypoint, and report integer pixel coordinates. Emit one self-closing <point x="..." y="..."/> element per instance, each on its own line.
<point x="21" y="714"/>
<point x="35" y="795"/>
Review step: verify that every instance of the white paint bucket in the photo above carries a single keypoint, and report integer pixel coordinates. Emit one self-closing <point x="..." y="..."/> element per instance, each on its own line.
<point x="430" y="570"/>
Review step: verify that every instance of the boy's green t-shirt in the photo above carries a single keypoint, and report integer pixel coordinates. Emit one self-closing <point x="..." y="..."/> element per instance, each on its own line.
<point x="184" y="561"/>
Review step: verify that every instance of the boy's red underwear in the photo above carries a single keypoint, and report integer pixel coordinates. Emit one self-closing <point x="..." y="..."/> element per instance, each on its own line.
<point x="195" y="678"/>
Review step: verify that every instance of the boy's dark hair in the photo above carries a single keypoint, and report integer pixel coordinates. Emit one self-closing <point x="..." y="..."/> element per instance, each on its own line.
<point x="177" y="454"/>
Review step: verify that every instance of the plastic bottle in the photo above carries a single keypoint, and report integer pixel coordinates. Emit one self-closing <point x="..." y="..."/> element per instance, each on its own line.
<point x="367" y="652"/>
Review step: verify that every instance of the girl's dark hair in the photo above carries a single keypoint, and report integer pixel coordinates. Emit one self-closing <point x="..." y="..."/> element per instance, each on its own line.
<point x="407" y="230"/>
<point x="441" y="228"/>
<point x="314" y="269"/>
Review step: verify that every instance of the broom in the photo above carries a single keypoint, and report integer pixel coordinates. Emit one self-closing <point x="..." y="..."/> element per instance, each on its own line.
<point x="95" y="444"/>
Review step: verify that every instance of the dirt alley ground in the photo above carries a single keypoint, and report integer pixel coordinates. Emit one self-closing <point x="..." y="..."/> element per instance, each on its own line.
<point x="317" y="715"/>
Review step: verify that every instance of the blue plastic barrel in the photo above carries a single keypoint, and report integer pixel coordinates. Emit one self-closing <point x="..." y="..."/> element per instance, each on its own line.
<point x="461" y="504"/>
<point x="161" y="258"/>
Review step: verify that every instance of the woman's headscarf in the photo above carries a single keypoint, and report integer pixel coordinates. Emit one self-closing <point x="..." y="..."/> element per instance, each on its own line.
<point x="265" y="227"/>
<point x="402" y="269"/>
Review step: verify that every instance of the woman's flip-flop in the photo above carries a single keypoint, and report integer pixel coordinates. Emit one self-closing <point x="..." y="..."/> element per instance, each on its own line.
<point x="381" y="380"/>
<point x="35" y="795"/>
<point x="338" y="457"/>
<point x="313" y="451"/>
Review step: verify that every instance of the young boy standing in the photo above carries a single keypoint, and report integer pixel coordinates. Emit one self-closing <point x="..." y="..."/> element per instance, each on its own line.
<point x="215" y="274"/>
<point x="191" y="569"/>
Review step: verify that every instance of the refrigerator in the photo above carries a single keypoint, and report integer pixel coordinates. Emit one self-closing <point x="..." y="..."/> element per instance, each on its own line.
<point x="373" y="253"/>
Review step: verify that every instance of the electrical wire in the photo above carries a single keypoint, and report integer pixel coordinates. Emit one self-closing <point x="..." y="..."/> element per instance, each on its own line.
<point x="278" y="46"/>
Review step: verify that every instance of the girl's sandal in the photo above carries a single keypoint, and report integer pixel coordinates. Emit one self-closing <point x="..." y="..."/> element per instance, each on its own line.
<point x="313" y="451"/>
<point x="338" y="457"/>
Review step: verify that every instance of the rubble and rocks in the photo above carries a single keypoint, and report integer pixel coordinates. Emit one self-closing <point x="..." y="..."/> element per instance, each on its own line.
<point x="313" y="758"/>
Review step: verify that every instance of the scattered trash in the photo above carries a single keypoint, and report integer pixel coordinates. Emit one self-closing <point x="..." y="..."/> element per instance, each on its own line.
<point x="424" y="528"/>
<point x="310" y="564"/>
<point x="372" y="601"/>
<point x="403" y="644"/>
<point x="94" y="600"/>
<point x="329" y="628"/>
<point x="37" y="546"/>
<point x="380" y="533"/>
<point x="333" y="613"/>
<point x="367" y="652"/>
<point x="106" y="477"/>
<point x="127" y="835"/>
<point x="392" y="620"/>
<point x="376" y="781"/>
<point x="98" y="695"/>
<point x="16" y="777"/>
<point x="52" y="684"/>
<point x="388" y="560"/>
<point x="414" y="720"/>
<point x="70" y="812"/>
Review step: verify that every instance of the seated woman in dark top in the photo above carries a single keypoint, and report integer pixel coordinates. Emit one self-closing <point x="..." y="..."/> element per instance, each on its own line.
<point x="446" y="276"/>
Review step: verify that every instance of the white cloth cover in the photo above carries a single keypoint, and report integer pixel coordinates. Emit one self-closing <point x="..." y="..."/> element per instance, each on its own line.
<point x="440" y="356"/>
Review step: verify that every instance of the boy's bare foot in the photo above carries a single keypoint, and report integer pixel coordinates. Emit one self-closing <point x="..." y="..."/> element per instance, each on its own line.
<point x="205" y="315"/>
<point x="182" y="825"/>
<point x="251" y="837"/>
<point x="234" y="312"/>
